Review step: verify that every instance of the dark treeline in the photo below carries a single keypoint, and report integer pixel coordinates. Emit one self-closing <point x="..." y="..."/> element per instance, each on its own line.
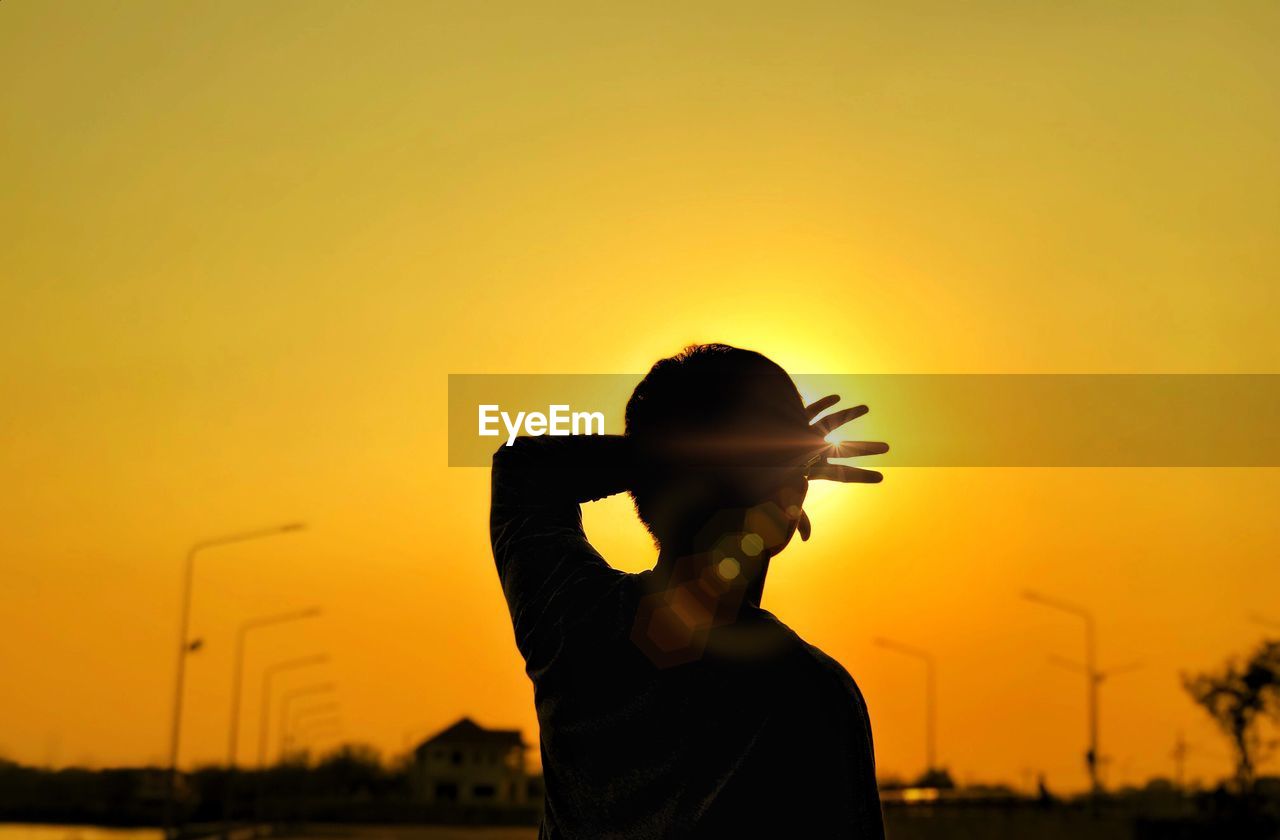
<point x="352" y="785"/>
<point x="76" y="795"/>
<point x="348" y="784"/>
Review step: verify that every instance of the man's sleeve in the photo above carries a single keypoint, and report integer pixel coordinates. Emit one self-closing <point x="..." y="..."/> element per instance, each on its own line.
<point x="544" y="561"/>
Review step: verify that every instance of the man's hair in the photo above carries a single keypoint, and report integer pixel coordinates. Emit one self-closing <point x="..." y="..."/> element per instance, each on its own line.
<point x="702" y="390"/>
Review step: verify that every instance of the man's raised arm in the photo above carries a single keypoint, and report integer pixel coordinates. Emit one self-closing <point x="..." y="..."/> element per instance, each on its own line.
<point x="535" y="525"/>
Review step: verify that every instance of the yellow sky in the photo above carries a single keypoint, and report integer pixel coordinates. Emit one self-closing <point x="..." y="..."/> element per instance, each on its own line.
<point x="244" y="244"/>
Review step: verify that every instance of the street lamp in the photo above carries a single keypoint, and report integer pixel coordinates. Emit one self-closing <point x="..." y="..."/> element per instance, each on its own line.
<point x="931" y="696"/>
<point x="264" y="706"/>
<point x="309" y="712"/>
<point x="1092" y="678"/>
<point x="305" y="723"/>
<point x="184" y="644"/>
<point x="306" y="691"/>
<point x="264" y="714"/>
<point x="237" y="675"/>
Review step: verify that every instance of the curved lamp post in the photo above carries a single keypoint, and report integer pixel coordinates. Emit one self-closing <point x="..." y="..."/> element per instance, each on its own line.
<point x="237" y="676"/>
<point x="184" y="645"/>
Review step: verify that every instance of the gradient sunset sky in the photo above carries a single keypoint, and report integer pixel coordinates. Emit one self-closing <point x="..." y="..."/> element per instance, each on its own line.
<point x="245" y="243"/>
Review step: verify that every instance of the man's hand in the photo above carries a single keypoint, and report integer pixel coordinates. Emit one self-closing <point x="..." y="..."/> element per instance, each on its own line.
<point x="819" y="465"/>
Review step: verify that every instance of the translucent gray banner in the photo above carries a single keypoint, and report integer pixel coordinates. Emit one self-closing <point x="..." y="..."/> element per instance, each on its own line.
<point x="937" y="420"/>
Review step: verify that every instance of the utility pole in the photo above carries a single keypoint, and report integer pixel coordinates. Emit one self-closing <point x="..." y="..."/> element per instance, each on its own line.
<point x="1091" y="679"/>
<point x="1179" y="754"/>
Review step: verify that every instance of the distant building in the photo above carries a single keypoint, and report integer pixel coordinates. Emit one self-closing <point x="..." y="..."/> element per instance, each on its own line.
<point x="466" y="764"/>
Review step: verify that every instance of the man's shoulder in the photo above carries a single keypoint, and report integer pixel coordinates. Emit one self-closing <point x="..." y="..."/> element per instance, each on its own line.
<point x="808" y="656"/>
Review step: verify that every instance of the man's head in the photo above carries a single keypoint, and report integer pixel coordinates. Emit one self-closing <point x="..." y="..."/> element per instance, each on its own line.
<point x="718" y="428"/>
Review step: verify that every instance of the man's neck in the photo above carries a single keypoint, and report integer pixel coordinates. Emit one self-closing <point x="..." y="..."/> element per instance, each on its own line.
<point x="678" y="563"/>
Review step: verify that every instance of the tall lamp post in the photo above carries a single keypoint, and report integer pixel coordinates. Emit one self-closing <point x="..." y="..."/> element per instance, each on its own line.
<point x="237" y="676"/>
<point x="264" y="715"/>
<point x="184" y="645"/>
<point x="930" y="698"/>
<point x="287" y="702"/>
<point x="1092" y="677"/>
<point x="264" y="706"/>
<point x="311" y="711"/>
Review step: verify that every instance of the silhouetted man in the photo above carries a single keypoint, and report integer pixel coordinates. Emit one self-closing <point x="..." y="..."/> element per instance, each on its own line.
<point x="670" y="703"/>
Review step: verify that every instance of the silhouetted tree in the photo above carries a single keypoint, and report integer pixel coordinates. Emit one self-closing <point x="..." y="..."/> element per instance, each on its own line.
<point x="1236" y="697"/>
<point x="351" y="770"/>
<point x="936" y="777"/>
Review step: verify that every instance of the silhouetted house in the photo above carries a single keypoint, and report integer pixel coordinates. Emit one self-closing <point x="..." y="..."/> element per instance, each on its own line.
<point x="466" y="764"/>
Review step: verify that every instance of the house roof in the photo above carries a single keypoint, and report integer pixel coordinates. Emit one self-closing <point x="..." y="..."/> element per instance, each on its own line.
<point x="467" y="732"/>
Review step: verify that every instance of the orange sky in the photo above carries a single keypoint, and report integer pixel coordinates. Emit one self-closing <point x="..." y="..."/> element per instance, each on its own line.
<point x="245" y="244"/>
